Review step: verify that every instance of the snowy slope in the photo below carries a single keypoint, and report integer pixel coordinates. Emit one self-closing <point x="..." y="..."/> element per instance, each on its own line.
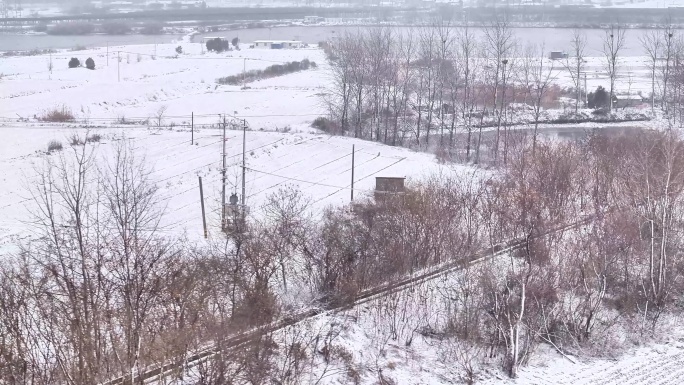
<point x="319" y="165"/>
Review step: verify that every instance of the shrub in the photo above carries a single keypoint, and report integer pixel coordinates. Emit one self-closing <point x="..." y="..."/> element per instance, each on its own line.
<point x="268" y="72"/>
<point x="325" y="125"/>
<point x="599" y="98"/>
<point x="54" y="145"/>
<point x="179" y="50"/>
<point x="74" y="62"/>
<point x="58" y="115"/>
<point x="75" y="140"/>
<point x="90" y="63"/>
<point x="218" y="45"/>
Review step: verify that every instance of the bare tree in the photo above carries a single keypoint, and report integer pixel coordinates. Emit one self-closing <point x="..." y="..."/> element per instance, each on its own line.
<point x="651" y="43"/>
<point x="539" y="74"/>
<point x="668" y="55"/>
<point x="613" y="42"/>
<point x="466" y="56"/>
<point x="499" y="43"/>
<point x="576" y="62"/>
<point x="159" y="115"/>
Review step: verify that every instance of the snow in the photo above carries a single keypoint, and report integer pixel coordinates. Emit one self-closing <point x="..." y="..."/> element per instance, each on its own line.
<point x="184" y="85"/>
<point x="282" y="149"/>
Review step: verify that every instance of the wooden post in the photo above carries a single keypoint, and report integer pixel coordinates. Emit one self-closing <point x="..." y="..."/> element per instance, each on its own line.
<point x="192" y="128"/>
<point x="204" y="218"/>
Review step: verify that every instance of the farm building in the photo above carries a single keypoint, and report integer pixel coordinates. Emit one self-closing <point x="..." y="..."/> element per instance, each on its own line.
<point x="278" y="44"/>
<point x="555" y="55"/>
<point x="623" y="101"/>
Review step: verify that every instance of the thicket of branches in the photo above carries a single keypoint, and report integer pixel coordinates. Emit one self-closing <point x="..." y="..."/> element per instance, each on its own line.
<point x="100" y="292"/>
<point x="438" y="86"/>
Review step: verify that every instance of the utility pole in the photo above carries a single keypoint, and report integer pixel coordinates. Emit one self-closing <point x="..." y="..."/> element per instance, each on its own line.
<point x="223" y="189"/>
<point x="352" y="176"/>
<point x="118" y="65"/>
<point x="244" y="168"/>
<point x="192" y="128"/>
<point x="204" y="218"/>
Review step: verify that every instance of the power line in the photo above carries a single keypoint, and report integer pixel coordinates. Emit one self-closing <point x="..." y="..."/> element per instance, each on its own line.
<point x="358" y="180"/>
<point x="294" y="179"/>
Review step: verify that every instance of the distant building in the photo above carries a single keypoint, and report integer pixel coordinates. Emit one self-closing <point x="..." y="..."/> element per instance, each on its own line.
<point x="278" y="44"/>
<point x="313" y="19"/>
<point x="388" y="186"/>
<point x="556" y="55"/>
<point x="623" y="101"/>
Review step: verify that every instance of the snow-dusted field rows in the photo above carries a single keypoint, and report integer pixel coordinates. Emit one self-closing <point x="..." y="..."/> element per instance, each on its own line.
<point x="318" y="164"/>
<point x="149" y="77"/>
<point x="654" y="364"/>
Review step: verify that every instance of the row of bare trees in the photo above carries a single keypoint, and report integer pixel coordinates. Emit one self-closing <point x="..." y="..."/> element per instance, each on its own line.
<point x="101" y="292"/>
<point x="439" y="86"/>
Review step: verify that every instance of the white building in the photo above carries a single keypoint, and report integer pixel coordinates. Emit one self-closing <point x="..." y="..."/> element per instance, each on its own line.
<point x="278" y="44"/>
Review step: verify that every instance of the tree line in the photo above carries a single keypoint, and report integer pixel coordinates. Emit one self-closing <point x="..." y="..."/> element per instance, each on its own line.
<point x="101" y="292"/>
<point x="461" y="88"/>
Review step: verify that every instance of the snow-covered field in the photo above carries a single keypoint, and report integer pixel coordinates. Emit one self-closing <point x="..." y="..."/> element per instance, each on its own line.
<point x="149" y="77"/>
<point x="281" y="146"/>
<point x="281" y="149"/>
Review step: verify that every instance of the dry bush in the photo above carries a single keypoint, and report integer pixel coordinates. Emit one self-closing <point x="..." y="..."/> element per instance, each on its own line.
<point x="76" y="140"/>
<point x="59" y="114"/>
<point x="94" y="138"/>
<point x="54" y="145"/>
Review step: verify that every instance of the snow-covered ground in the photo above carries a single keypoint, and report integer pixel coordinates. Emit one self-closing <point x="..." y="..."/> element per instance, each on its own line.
<point x="634" y="75"/>
<point x="318" y="164"/>
<point x="149" y="77"/>
<point x="281" y="146"/>
<point x="281" y="149"/>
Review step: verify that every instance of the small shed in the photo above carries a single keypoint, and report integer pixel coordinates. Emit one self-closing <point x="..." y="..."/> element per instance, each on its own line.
<point x="385" y="185"/>
<point x="623" y="101"/>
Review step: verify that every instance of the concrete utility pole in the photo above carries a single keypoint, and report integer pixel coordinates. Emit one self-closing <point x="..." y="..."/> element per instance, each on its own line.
<point x="244" y="166"/>
<point x="223" y="173"/>
<point x="204" y="218"/>
<point x="352" y="176"/>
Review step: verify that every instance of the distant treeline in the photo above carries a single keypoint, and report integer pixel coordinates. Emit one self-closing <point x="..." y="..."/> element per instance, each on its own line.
<point x="109" y="28"/>
<point x="270" y="72"/>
